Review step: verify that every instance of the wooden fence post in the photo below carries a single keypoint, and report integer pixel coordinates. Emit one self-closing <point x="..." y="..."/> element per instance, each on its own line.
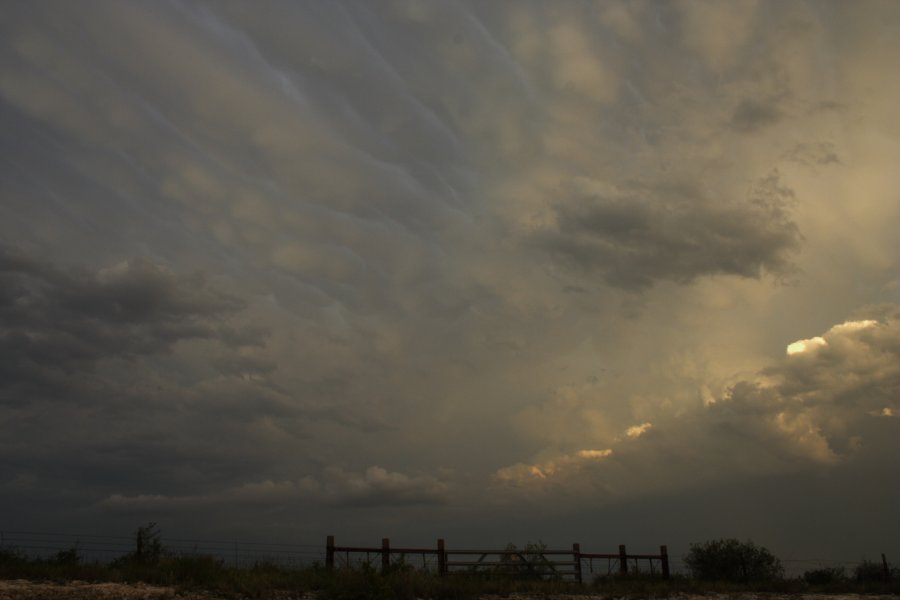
<point x="664" y="559"/>
<point x="329" y="552"/>
<point x="623" y="560"/>
<point x="385" y="554"/>
<point x="576" y="556"/>
<point x="442" y="558"/>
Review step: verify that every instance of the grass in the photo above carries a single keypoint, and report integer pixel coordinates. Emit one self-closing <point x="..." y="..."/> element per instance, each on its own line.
<point x="264" y="580"/>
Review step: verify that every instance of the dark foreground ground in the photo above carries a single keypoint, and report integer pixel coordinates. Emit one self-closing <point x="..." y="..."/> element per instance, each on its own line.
<point x="20" y="589"/>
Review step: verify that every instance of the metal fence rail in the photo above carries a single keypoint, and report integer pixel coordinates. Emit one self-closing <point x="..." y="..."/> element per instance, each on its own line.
<point x="529" y="562"/>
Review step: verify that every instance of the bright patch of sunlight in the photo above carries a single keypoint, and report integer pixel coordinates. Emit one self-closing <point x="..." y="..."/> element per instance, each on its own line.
<point x="806" y="345"/>
<point x="638" y="430"/>
<point x="594" y="453"/>
<point x="854" y="326"/>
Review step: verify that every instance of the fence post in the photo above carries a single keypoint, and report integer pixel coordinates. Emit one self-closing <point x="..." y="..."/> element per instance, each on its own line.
<point x="385" y="554"/>
<point x="887" y="572"/>
<point x="623" y="560"/>
<point x="442" y="558"/>
<point x="576" y="556"/>
<point x="329" y="552"/>
<point x="664" y="559"/>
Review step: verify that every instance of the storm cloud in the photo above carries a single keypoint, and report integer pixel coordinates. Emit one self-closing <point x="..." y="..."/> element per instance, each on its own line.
<point x="674" y="232"/>
<point x="59" y="323"/>
<point x="299" y="269"/>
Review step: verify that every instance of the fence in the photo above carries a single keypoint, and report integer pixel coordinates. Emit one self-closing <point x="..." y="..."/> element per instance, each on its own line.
<point x="535" y="562"/>
<point x="796" y="567"/>
<point x="106" y="548"/>
<point x="240" y="553"/>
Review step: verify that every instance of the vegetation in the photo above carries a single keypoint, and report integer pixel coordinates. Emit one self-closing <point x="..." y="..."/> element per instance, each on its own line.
<point x="825" y="576"/>
<point x="529" y="563"/>
<point x="868" y="571"/>
<point x="722" y="567"/>
<point x="733" y="560"/>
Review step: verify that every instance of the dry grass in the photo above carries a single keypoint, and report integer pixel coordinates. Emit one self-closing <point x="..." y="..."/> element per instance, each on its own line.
<point x="66" y="576"/>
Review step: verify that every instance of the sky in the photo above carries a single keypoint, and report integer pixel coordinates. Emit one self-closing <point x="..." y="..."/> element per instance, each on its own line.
<point x="598" y="272"/>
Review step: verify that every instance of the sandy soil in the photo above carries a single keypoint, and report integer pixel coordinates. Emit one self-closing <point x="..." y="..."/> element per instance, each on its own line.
<point x="21" y="589"/>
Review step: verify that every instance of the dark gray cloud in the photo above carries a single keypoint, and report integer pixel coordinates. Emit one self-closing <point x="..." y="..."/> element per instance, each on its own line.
<point x="814" y="154"/>
<point x="131" y="308"/>
<point x="751" y="115"/>
<point x="58" y="323"/>
<point x="675" y="232"/>
<point x="93" y="365"/>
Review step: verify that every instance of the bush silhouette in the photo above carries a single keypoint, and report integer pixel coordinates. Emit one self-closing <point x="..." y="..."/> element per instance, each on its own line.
<point x="868" y="570"/>
<point x="68" y="556"/>
<point x="825" y="576"/>
<point x="732" y="560"/>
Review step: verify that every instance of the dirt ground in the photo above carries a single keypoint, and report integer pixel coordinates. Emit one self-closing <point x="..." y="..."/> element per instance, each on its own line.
<point x="20" y="589"/>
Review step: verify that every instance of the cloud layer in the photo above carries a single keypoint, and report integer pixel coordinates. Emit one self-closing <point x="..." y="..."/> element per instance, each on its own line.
<point x="441" y="258"/>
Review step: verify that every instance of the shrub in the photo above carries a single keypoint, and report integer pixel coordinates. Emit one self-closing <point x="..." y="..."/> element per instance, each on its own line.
<point x="11" y="556"/>
<point x="825" y="576"/>
<point x="869" y="570"/>
<point x="69" y="556"/>
<point x="192" y="570"/>
<point x="732" y="560"/>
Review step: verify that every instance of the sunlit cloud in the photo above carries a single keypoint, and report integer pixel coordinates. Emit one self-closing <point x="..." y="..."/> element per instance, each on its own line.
<point x="801" y="346"/>
<point x="638" y="430"/>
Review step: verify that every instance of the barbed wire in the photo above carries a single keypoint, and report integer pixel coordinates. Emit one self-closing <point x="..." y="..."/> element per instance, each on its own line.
<point x="45" y="544"/>
<point x="240" y="552"/>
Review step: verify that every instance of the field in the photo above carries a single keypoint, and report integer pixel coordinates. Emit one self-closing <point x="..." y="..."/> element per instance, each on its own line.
<point x="151" y="573"/>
